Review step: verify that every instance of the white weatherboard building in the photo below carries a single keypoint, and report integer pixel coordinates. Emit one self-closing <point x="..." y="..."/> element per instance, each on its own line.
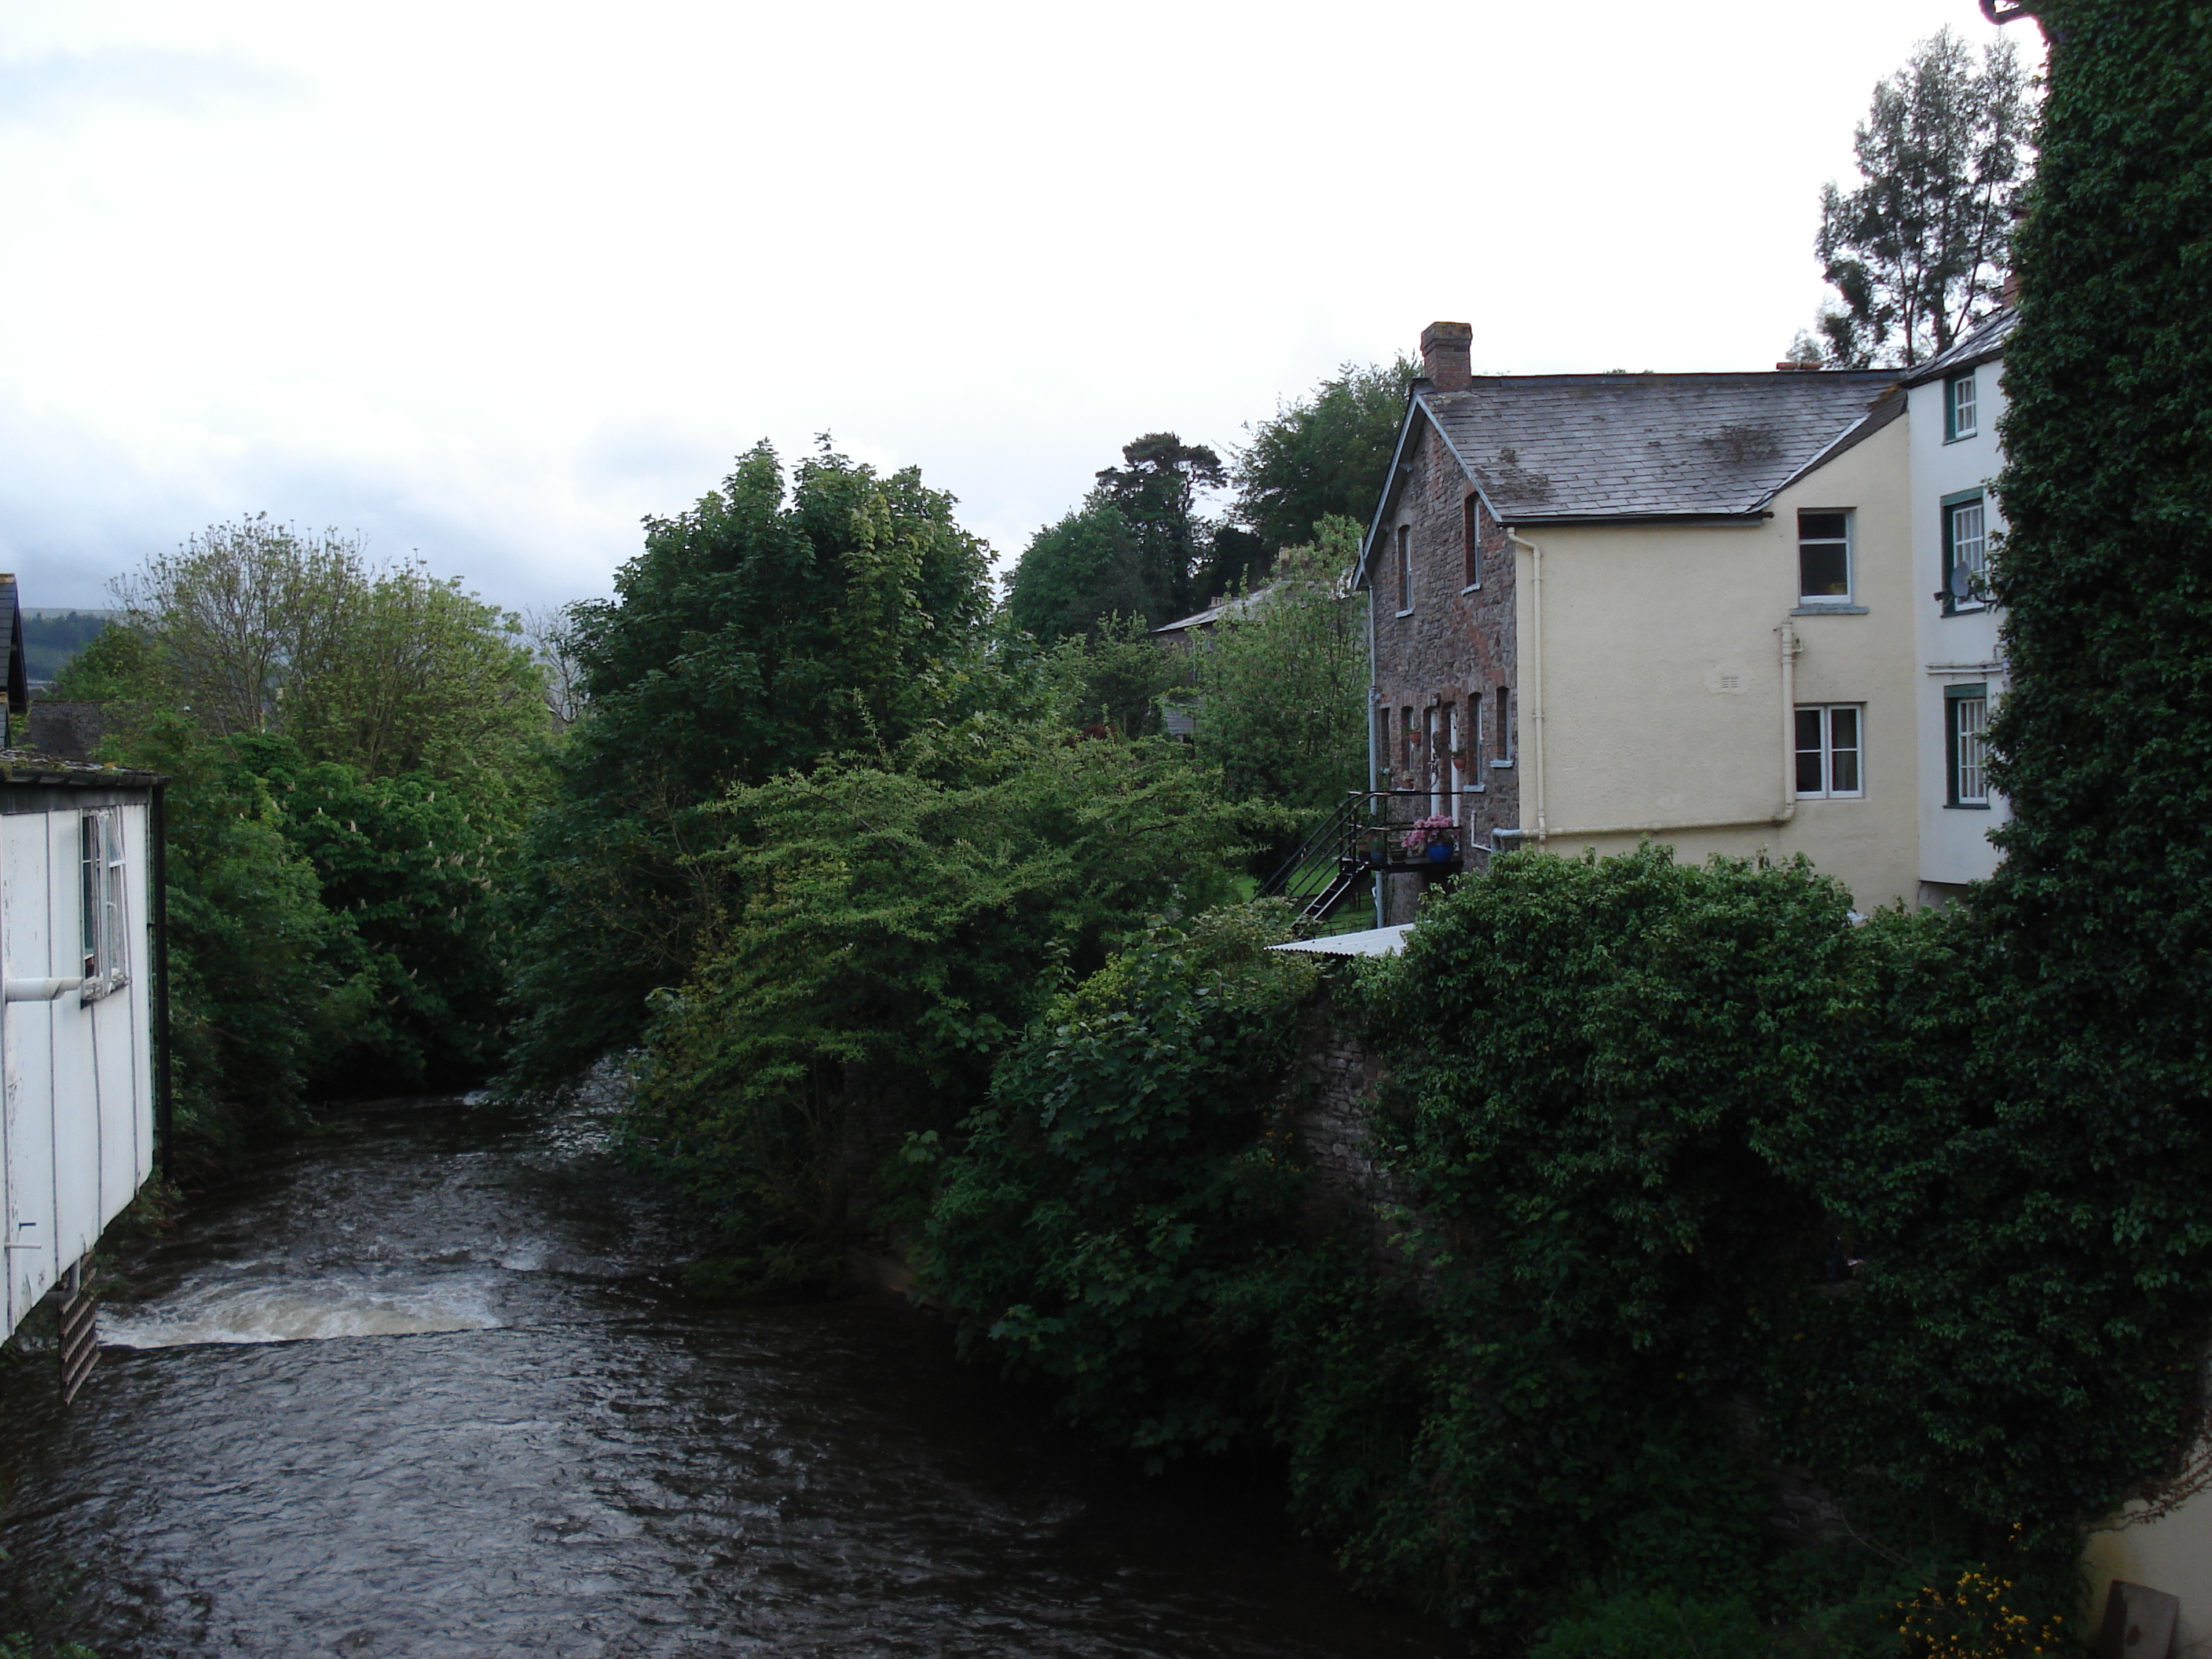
<point x="79" y="954"/>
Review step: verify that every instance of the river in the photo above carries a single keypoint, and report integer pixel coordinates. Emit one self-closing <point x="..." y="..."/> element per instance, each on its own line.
<point x="421" y="1385"/>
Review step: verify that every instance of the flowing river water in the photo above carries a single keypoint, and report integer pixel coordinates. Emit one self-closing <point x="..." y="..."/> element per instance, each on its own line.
<point x="420" y="1386"/>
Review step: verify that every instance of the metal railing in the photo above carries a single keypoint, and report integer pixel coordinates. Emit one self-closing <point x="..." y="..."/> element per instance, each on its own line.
<point x="1366" y="837"/>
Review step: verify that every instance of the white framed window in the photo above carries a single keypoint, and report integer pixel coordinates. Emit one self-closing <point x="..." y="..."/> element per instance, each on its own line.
<point x="107" y="930"/>
<point x="1404" y="568"/>
<point x="1966" y="552"/>
<point x="1961" y="408"/>
<point x="1966" y="744"/>
<point x="1502" y="729"/>
<point x="1824" y="557"/>
<point x="1831" y="750"/>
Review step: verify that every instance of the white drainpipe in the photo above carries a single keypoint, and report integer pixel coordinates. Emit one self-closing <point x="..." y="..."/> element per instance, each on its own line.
<point x="41" y="990"/>
<point x="1531" y="692"/>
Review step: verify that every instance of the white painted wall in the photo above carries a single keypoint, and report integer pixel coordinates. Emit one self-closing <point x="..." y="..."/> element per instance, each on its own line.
<point x="76" y="1128"/>
<point x="1661" y="681"/>
<point x="1952" y="650"/>
<point x="2172" y="1553"/>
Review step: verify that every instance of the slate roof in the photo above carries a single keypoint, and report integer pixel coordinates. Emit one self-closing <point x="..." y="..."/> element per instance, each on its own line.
<point x="17" y="680"/>
<point x="1554" y="447"/>
<point x="1977" y="345"/>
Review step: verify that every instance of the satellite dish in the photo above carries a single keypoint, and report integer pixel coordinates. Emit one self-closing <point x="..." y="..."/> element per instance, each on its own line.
<point x="1962" y="582"/>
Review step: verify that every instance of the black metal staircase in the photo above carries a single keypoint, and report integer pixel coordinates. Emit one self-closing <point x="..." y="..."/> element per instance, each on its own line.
<point x="1361" y="841"/>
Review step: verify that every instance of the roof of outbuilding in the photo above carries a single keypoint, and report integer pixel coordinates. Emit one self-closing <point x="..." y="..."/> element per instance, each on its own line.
<point x="16" y="677"/>
<point x="1979" y="344"/>
<point x="1553" y="447"/>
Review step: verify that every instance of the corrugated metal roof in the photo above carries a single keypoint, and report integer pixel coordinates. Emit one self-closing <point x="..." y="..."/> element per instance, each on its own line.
<point x="1547" y="446"/>
<point x="1372" y="942"/>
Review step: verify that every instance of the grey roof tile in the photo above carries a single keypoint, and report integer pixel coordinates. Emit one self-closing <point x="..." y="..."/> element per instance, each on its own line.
<point x="1977" y="344"/>
<point x="1588" y="445"/>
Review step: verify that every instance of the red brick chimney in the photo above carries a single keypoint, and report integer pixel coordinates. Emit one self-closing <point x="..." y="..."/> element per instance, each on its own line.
<point x="1446" y="349"/>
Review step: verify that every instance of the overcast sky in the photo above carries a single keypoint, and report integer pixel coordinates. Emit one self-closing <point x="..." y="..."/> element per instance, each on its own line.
<point x="494" y="280"/>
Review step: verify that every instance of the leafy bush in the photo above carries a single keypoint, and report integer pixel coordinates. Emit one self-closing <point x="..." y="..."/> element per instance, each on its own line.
<point x="1282" y="685"/>
<point x="760" y="632"/>
<point x="1125" y="1199"/>
<point x="893" y="930"/>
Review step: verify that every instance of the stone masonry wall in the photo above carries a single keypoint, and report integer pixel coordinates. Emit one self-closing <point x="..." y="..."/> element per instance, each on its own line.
<point x="1456" y="645"/>
<point x="1330" y="1106"/>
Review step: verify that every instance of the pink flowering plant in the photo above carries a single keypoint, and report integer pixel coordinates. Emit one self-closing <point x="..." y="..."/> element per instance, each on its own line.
<point x="1428" y="831"/>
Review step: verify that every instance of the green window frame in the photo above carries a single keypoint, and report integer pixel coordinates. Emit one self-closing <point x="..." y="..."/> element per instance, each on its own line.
<point x="1962" y="408"/>
<point x="1966" y="533"/>
<point x="1966" y="747"/>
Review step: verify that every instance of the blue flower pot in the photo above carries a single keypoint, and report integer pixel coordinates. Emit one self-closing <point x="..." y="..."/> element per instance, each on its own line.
<point x="1441" y="852"/>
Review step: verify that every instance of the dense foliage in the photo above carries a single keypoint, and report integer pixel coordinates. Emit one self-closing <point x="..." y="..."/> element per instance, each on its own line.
<point x="1077" y="575"/>
<point x="259" y="627"/>
<point x="1696" y="1173"/>
<point x="762" y="630"/>
<point x="353" y="752"/>
<point x="1281" y="683"/>
<point x="1327" y="455"/>
<point x="2104" y="902"/>
<point x="1121" y="1206"/>
<point x="891" y="929"/>
<point x="1917" y="250"/>
<point x="1138" y="548"/>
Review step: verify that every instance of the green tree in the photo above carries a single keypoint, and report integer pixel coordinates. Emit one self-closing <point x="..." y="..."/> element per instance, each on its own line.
<point x="1918" y="250"/>
<point x="757" y="634"/>
<point x="355" y="749"/>
<point x="1327" y="455"/>
<point x="1126" y="1190"/>
<point x="260" y="627"/>
<point x="252" y="985"/>
<point x="1156" y="490"/>
<point x="1282" y="685"/>
<point x="1075" y="573"/>
<point x="892" y="930"/>
<point x="116" y="664"/>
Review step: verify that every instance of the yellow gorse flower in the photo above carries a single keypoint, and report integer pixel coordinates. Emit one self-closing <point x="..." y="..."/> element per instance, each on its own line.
<point x="1973" y="1619"/>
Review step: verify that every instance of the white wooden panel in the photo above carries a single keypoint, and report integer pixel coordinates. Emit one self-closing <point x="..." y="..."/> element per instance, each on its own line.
<point x="26" y="951"/>
<point x="77" y="1079"/>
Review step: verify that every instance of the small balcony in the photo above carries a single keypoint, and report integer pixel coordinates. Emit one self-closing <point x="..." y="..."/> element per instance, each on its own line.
<point x="1374" y="833"/>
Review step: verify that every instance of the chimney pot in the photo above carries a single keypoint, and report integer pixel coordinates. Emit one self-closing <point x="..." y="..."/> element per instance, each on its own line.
<point x="1447" y="350"/>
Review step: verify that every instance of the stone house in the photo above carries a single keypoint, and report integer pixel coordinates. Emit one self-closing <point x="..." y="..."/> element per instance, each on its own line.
<point x="1613" y="606"/>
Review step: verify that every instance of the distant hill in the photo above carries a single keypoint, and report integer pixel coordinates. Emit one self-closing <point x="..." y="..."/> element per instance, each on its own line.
<point x="52" y="637"/>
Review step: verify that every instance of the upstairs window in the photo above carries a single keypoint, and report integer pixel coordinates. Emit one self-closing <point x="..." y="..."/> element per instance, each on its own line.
<point x="1823" y="557"/>
<point x="1965" y="744"/>
<point x="1966" y="553"/>
<point x="1961" y="408"/>
<point x="1830" y="750"/>
<point x="1404" y="568"/>
<point x="106" y="936"/>
<point x="1502" y="729"/>
<point x="1471" y="531"/>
